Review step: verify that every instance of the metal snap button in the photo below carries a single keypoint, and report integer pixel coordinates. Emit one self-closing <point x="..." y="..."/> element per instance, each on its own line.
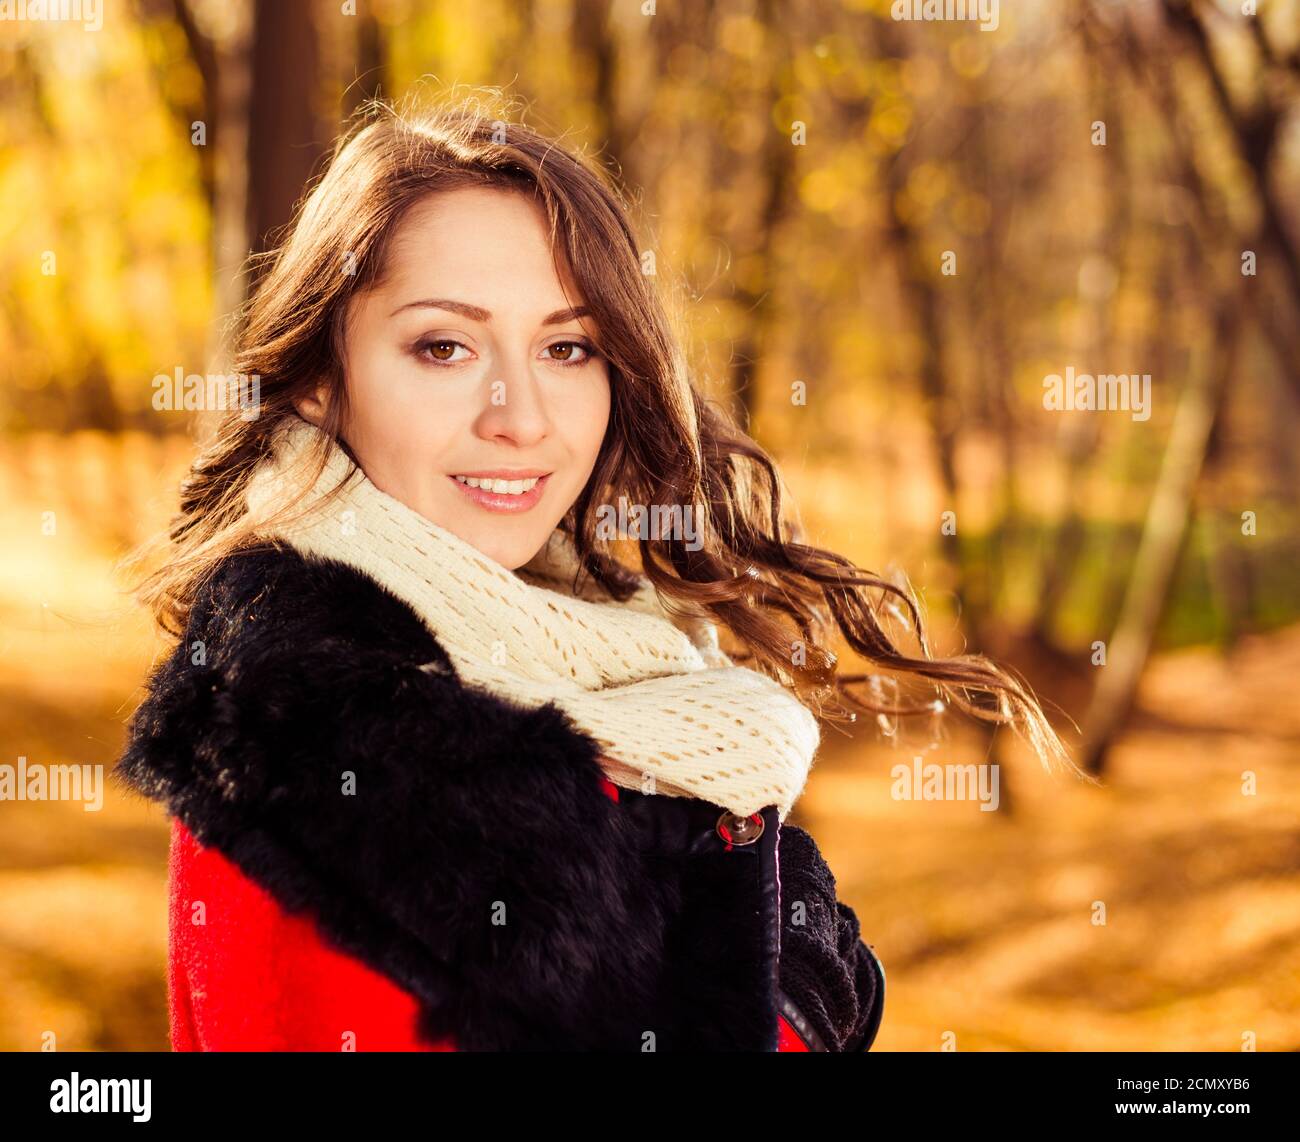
<point x="736" y="829"/>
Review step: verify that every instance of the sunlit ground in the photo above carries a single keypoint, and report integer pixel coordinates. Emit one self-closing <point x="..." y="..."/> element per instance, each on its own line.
<point x="985" y="921"/>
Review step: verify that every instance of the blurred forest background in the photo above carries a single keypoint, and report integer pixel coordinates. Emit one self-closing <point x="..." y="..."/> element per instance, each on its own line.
<point x="885" y="234"/>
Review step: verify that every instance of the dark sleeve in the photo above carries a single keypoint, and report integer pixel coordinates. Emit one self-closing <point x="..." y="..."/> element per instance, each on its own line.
<point x="868" y="980"/>
<point x="325" y="743"/>
<point x="825" y="967"/>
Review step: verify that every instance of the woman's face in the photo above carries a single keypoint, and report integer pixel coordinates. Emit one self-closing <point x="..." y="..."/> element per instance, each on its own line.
<point x="468" y="362"/>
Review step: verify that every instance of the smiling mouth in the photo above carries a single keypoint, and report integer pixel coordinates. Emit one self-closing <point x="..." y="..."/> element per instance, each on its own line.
<point x="500" y="487"/>
<point x="501" y="495"/>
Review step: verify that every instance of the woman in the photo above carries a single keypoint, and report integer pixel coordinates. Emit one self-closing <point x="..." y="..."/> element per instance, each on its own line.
<point x="444" y="773"/>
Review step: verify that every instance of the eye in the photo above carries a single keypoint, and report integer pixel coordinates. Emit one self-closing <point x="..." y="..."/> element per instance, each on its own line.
<point x="432" y="349"/>
<point x="588" y="350"/>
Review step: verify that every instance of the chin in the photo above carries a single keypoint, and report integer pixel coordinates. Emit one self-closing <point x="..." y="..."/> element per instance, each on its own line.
<point x="511" y="551"/>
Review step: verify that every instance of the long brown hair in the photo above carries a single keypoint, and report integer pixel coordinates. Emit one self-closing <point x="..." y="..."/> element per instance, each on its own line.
<point x="665" y="445"/>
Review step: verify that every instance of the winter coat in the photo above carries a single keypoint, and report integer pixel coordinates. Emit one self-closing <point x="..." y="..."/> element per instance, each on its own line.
<point x="370" y="855"/>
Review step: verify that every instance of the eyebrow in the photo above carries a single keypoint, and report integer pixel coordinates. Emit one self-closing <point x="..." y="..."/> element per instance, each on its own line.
<point x="478" y="313"/>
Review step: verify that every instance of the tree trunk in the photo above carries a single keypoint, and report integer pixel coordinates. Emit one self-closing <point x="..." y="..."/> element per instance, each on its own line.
<point x="1162" y="536"/>
<point x="284" y="137"/>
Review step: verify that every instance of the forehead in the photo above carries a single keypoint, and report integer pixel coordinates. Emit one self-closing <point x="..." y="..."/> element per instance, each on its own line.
<point x="475" y="239"/>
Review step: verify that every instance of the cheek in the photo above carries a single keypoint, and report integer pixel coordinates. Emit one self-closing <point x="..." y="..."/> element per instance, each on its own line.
<point x="589" y="422"/>
<point x="396" y="424"/>
<point x="384" y="383"/>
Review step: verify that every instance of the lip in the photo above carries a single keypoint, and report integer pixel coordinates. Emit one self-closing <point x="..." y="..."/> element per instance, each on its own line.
<point x="503" y="501"/>
<point x="505" y="473"/>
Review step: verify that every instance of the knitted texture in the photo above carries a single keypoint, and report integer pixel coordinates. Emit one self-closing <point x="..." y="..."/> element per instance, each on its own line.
<point x="652" y="688"/>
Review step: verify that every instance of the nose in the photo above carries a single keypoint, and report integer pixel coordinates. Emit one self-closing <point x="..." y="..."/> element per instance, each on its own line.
<point x="515" y="408"/>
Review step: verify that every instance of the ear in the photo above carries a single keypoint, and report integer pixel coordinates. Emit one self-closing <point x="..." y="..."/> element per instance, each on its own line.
<point x="312" y="407"/>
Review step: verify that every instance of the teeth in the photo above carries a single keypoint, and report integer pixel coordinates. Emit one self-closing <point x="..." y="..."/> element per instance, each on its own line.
<point x="500" y="487"/>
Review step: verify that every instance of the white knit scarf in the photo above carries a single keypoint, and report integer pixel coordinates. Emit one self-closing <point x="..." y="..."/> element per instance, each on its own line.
<point x="652" y="688"/>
